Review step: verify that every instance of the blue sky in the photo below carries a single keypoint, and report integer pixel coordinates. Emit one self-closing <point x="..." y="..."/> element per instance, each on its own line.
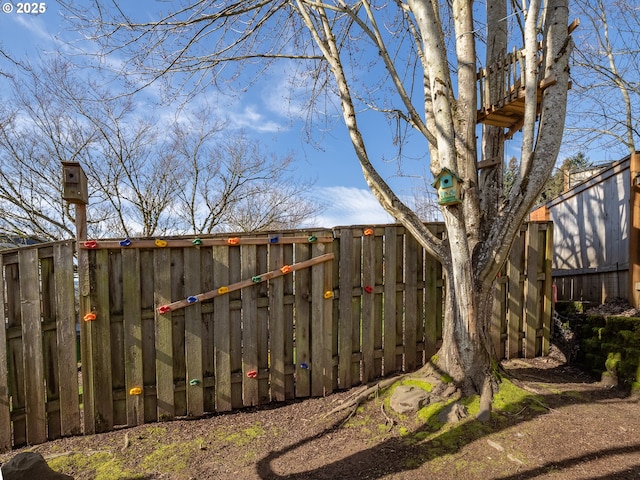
<point x="265" y="114"/>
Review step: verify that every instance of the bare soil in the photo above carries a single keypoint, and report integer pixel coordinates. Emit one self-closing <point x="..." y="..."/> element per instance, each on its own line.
<point x="565" y="425"/>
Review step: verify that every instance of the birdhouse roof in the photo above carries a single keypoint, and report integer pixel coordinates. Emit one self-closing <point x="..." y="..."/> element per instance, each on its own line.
<point x="444" y="171"/>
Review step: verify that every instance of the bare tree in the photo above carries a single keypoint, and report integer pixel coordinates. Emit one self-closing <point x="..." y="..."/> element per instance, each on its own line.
<point x="233" y="184"/>
<point x="605" y="72"/>
<point x="146" y="176"/>
<point x="421" y="64"/>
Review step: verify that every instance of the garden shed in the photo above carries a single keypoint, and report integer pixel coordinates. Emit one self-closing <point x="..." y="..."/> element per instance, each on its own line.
<point x="596" y="245"/>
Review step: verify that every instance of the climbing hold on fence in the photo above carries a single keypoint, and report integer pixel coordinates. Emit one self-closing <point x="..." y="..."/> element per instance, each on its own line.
<point x="273" y="239"/>
<point x="233" y="241"/>
<point x="164" y="309"/>
<point x="89" y="317"/>
<point x="312" y="238"/>
<point x="135" y="391"/>
<point x="223" y="290"/>
<point x="252" y="374"/>
<point x="368" y="231"/>
<point x="286" y="269"/>
<point x="328" y="294"/>
<point x="305" y="366"/>
<point x="125" y="243"/>
<point x="194" y="382"/>
<point x="91" y="244"/>
<point x="256" y="279"/>
<point x="368" y="289"/>
<point x="197" y="242"/>
<point x="160" y="243"/>
<point x="192" y="299"/>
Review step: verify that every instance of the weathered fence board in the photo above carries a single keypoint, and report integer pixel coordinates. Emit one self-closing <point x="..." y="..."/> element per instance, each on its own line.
<point x="184" y="329"/>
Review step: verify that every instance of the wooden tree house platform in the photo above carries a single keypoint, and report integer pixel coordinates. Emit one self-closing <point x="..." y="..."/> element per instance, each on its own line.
<point x="507" y="111"/>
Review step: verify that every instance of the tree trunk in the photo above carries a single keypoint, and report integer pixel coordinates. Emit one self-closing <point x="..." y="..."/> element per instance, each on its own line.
<point x="467" y="353"/>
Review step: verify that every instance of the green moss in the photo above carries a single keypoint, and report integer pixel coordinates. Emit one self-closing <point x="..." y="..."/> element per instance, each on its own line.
<point x="99" y="466"/>
<point x="472" y="404"/>
<point x="446" y="378"/>
<point x="244" y="436"/>
<point x="170" y="458"/>
<point x="611" y="364"/>
<point x="414" y="382"/>
<point x="511" y="398"/>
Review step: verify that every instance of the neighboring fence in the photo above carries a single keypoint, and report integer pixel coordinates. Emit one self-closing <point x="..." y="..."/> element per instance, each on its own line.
<point x="181" y="327"/>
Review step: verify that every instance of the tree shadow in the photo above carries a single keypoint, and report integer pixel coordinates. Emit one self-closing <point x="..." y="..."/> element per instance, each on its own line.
<point x="410" y="452"/>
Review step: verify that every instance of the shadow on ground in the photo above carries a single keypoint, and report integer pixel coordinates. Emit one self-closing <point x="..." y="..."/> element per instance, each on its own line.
<point x="414" y="450"/>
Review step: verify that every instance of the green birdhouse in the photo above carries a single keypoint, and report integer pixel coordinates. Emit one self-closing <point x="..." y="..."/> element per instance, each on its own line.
<point x="448" y="185"/>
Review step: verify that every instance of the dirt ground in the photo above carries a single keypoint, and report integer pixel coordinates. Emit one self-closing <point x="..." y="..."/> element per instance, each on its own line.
<point x="563" y="425"/>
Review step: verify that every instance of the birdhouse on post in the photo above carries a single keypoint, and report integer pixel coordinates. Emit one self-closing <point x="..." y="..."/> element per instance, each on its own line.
<point x="74" y="183"/>
<point x="448" y="185"/>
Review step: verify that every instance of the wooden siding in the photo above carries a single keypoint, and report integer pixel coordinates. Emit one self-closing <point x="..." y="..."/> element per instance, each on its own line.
<point x="591" y="223"/>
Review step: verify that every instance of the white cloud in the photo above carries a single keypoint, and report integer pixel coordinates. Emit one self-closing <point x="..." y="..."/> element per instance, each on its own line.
<point x="349" y="206"/>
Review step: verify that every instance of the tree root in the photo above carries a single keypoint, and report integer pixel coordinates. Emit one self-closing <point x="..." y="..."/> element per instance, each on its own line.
<point x="354" y="401"/>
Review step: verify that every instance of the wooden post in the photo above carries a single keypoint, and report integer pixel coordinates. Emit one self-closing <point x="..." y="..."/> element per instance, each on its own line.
<point x="75" y="191"/>
<point x="634" y="230"/>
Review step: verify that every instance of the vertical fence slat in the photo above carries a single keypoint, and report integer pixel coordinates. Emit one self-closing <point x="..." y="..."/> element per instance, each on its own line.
<point x="532" y="292"/>
<point x="66" y="335"/>
<point x="222" y="332"/>
<point x="263" y="326"/>
<point x="390" y="280"/>
<point x="320" y="352"/>
<point x="163" y="334"/>
<point x="548" y="290"/>
<point x="5" y="411"/>
<point x="515" y="296"/>
<point x="32" y="341"/>
<point x="15" y="353"/>
<point x="420" y="326"/>
<point x="302" y="303"/>
<point x="345" y="330"/>
<point x="101" y="342"/>
<point x="250" y="372"/>
<point x="235" y="314"/>
<point x="276" y="312"/>
<point x="208" y="352"/>
<point x="132" y="326"/>
<point x="50" y="344"/>
<point x="433" y="305"/>
<point x="148" y="326"/>
<point x="368" y="311"/>
<point x="411" y="302"/>
<point x="378" y="304"/>
<point x="193" y="335"/>
<point x="178" y="275"/>
<point x="327" y="319"/>
<point x="356" y="306"/>
<point x="289" y="327"/>
<point x="117" y="341"/>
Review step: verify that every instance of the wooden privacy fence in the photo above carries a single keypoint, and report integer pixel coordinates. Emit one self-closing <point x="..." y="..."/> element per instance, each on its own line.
<point x="181" y="327"/>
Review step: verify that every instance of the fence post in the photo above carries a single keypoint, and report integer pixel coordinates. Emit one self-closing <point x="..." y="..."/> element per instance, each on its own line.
<point x="75" y="192"/>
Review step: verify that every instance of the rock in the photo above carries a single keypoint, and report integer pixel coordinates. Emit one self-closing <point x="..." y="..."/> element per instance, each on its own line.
<point x="452" y="413"/>
<point x="30" y="466"/>
<point x="408" y="399"/>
